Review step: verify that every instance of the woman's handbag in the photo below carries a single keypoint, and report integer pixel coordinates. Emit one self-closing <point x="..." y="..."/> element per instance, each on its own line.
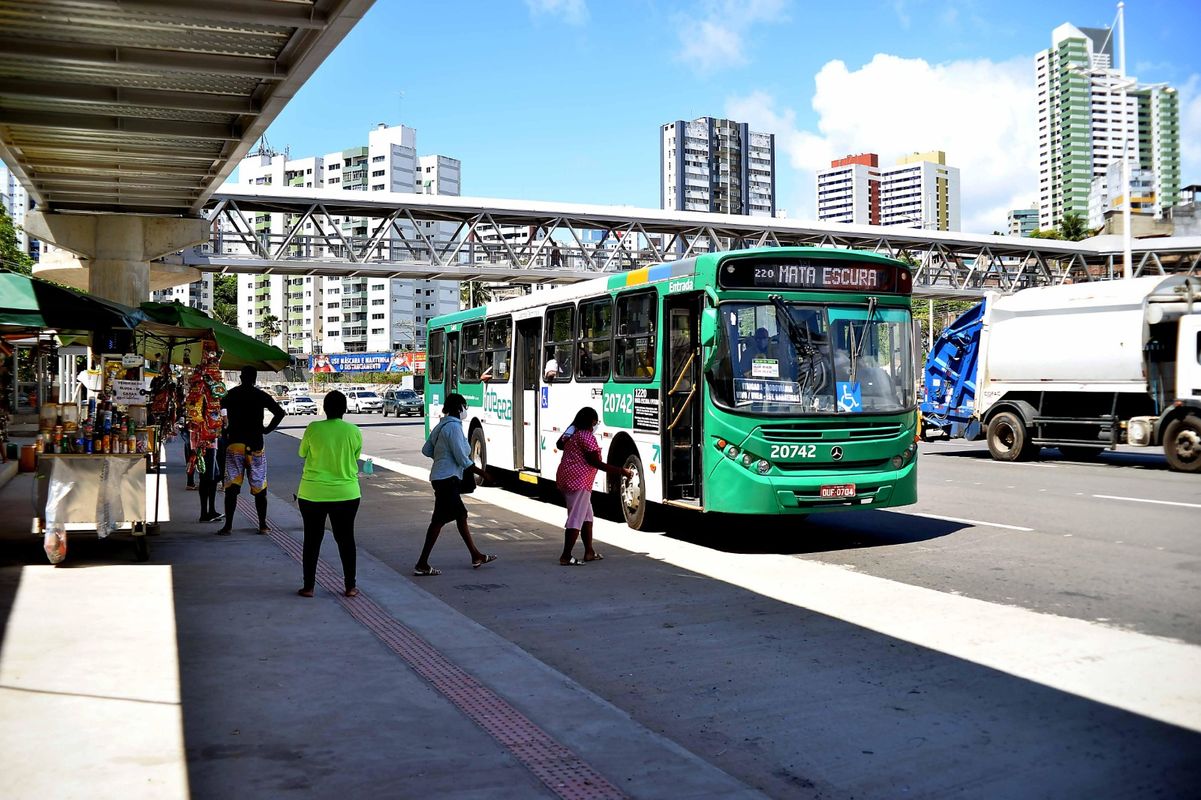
<point x="467" y="481"/>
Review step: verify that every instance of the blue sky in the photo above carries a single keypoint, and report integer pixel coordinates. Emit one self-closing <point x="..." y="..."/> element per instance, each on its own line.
<point x="563" y="99"/>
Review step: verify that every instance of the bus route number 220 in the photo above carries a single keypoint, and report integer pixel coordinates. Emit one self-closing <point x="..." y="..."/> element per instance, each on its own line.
<point x="779" y="451"/>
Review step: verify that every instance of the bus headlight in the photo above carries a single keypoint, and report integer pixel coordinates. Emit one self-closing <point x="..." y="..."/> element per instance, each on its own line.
<point x="747" y="459"/>
<point x="732" y="451"/>
<point x="762" y="467"/>
<point x="898" y="462"/>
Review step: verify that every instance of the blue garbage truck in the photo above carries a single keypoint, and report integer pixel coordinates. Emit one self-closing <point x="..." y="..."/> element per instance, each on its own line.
<point x="1080" y="367"/>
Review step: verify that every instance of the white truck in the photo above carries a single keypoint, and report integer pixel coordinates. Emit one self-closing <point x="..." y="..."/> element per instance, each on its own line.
<point x="1081" y="367"/>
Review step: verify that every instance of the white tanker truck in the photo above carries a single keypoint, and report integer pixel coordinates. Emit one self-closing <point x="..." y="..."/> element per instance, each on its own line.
<point x="1081" y="367"/>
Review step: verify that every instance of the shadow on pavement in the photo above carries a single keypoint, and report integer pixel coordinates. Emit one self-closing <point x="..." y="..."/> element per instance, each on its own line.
<point x="1113" y="459"/>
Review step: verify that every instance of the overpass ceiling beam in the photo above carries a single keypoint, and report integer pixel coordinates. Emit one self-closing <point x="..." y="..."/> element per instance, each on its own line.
<point x="86" y="150"/>
<point x="67" y="166"/>
<point x="123" y="125"/>
<point x="140" y="60"/>
<point x="57" y="91"/>
<point x="266" y="13"/>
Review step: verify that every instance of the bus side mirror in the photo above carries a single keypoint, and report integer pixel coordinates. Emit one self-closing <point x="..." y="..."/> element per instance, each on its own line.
<point x="708" y="327"/>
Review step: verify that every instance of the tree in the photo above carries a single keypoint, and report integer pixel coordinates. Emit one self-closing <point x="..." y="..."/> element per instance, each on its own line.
<point x="225" y="299"/>
<point x="474" y="293"/>
<point x="11" y="254"/>
<point x="1073" y="227"/>
<point x="271" y="328"/>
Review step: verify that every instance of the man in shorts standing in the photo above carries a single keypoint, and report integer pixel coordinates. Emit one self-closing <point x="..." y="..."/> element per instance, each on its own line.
<point x="245" y="457"/>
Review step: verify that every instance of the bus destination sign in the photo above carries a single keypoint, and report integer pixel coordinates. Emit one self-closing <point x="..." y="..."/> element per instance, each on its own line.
<point x="814" y="274"/>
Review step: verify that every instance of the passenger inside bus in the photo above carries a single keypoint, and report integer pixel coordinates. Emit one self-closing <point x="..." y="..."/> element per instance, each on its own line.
<point x="551" y="370"/>
<point x="755" y="347"/>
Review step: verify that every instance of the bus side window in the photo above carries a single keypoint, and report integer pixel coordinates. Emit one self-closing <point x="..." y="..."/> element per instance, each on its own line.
<point x="497" y="356"/>
<point x="434" y="359"/>
<point x="472" y="353"/>
<point x="596" y="341"/>
<point x="560" y="344"/>
<point x="635" y="343"/>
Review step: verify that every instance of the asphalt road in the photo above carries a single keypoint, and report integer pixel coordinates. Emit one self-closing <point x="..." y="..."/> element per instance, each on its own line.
<point x="809" y="702"/>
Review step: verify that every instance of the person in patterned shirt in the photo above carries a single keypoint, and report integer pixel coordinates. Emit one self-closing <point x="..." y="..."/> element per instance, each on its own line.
<point x="577" y="472"/>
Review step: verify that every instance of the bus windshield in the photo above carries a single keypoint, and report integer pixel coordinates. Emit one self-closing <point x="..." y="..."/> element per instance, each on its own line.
<point x="813" y="360"/>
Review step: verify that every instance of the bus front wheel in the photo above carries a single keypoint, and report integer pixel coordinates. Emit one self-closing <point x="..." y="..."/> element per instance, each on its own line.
<point x="632" y="493"/>
<point x="479" y="450"/>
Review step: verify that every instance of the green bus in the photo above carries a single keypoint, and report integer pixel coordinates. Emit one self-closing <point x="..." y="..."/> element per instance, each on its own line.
<point x="776" y="380"/>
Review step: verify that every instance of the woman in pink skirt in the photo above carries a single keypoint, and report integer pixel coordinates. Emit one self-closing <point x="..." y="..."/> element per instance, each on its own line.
<point x="577" y="472"/>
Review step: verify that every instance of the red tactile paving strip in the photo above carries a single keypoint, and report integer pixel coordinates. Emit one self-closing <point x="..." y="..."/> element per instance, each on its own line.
<point x="563" y="772"/>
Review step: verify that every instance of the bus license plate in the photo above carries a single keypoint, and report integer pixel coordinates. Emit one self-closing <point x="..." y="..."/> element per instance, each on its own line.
<point x="838" y="490"/>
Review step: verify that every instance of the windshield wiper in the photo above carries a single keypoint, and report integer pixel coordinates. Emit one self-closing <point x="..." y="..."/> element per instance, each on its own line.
<point x="857" y="347"/>
<point x="807" y="352"/>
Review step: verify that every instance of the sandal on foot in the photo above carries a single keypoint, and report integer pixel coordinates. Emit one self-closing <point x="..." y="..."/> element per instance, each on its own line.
<point x="571" y="562"/>
<point x="264" y="530"/>
<point x="224" y="532"/>
<point x="353" y="591"/>
<point x="426" y="572"/>
<point x="486" y="560"/>
<point x="304" y="592"/>
<point x="594" y="557"/>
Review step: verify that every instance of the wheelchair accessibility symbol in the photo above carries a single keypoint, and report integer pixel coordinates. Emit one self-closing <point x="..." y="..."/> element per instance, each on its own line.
<point x="850" y="397"/>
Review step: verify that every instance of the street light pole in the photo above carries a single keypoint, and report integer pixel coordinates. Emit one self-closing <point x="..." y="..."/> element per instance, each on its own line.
<point x="1127" y="237"/>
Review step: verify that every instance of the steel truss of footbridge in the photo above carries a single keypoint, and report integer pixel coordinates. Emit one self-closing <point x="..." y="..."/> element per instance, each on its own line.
<point x="339" y="233"/>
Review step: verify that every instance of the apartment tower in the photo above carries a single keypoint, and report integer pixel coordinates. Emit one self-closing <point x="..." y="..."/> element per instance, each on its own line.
<point x="717" y="165"/>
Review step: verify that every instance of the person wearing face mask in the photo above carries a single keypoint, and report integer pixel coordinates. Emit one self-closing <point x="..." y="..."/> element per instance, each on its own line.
<point x="447" y="446"/>
<point x="577" y="472"/>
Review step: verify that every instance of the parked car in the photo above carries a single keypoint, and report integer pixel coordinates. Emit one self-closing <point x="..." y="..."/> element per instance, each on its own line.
<point x="403" y="401"/>
<point x="363" y="401"/>
<point x="300" y="404"/>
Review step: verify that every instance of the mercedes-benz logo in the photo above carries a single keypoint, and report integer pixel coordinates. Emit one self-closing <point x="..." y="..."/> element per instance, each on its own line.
<point x="836" y="453"/>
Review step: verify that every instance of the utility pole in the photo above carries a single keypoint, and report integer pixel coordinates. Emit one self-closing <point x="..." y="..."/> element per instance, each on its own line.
<point x="1127" y="265"/>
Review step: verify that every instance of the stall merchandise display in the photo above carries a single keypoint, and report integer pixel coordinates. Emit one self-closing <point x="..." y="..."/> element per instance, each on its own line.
<point x="203" y="406"/>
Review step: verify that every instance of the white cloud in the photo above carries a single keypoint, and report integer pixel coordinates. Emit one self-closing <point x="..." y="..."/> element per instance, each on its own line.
<point x="714" y="38"/>
<point x="573" y="12"/>
<point x="981" y="113"/>
<point x="1190" y="131"/>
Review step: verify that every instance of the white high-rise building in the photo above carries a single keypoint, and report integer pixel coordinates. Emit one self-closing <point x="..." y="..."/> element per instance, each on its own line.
<point x="717" y="165"/>
<point x="1084" y="123"/>
<point x="1108" y="194"/>
<point x="334" y="315"/>
<point x="197" y="294"/>
<point x="849" y="191"/>
<point x="15" y="200"/>
<point x="920" y="191"/>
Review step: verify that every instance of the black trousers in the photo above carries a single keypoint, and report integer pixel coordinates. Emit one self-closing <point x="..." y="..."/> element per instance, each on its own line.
<point x="341" y="520"/>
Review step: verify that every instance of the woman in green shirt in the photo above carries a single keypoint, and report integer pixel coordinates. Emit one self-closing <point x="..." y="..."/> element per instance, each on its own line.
<point x="329" y="485"/>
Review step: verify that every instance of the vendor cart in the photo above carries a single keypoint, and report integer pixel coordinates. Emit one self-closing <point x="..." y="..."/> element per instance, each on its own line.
<point x="100" y="492"/>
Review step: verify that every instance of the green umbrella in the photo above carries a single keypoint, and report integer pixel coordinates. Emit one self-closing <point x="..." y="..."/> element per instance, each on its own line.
<point x="27" y="303"/>
<point x="174" y="330"/>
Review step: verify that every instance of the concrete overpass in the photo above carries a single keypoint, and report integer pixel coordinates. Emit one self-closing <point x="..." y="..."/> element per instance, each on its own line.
<point x="122" y="117"/>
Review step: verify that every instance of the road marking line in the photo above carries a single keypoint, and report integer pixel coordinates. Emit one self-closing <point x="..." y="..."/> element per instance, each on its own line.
<point x="1152" y="676"/>
<point x="1143" y="500"/>
<point x="960" y="519"/>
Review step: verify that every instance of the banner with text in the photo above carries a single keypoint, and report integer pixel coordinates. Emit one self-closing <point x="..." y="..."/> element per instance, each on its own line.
<point x="401" y="363"/>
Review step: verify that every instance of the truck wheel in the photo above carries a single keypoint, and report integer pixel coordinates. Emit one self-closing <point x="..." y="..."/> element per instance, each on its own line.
<point x="1008" y="439"/>
<point x="1182" y="444"/>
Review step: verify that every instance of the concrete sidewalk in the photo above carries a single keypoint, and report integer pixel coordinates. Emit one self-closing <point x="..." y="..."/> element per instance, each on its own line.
<point x="202" y="674"/>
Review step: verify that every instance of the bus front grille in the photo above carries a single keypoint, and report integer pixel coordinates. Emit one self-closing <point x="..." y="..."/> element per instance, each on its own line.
<point x="843" y="430"/>
<point x="831" y="466"/>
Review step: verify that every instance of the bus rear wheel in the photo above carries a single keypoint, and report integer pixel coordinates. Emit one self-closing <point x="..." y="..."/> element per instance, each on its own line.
<point x="632" y="493"/>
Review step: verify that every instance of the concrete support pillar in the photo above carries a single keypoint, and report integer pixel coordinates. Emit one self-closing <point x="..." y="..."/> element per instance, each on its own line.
<point x="115" y="250"/>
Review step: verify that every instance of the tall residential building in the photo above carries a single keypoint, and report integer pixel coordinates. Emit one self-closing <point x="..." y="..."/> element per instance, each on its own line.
<point x="197" y="294"/>
<point x="849" y="191"/>
<point x="717" y="165"/>
<point x="1084" y="123"/>
<point x="358" y="314"/>
<point x="1022" y="221"/>
<point x="15" y="200"/>
<point x="920" y="191"/>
